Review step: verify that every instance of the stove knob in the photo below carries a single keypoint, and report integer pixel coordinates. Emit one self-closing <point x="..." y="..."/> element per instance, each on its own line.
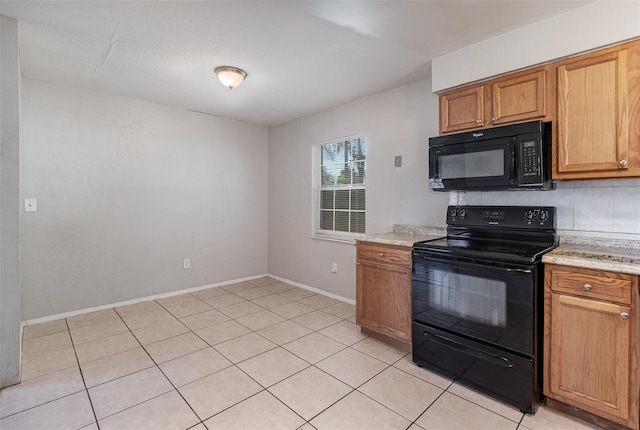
<point x="454" y="213"/>
<point x="544" y="215"/>
<point x="463" y="213"/>
<point x="529" y="215"/>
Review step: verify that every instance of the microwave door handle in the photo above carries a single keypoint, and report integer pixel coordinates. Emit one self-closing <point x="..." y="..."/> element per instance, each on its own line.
<point x="474" y="265"/>
<point x="468" y="350"/>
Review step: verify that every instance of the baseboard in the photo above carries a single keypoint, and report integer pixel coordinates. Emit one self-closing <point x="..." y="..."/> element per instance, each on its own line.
<point x="315" y="290"/>
<point x="134" y="301"/>
<point x="177" y="293"/>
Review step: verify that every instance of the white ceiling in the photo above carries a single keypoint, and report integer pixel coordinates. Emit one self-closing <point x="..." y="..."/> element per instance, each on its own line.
<point x="301" y="56"/>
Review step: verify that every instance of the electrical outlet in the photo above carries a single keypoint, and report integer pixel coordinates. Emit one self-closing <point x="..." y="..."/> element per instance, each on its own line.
<point x="186" y="263"/>
<point x="29" y="205"/>
<point x="398" y="161"/>
<point x="334" y="267"/>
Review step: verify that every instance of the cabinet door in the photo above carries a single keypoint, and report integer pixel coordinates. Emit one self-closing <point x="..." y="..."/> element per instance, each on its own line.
<point x="462" y="109"/>
<point x="519" y="98"/>
<point x="592" y="115"/>
<point x="590" y="354"/>
<point x="383" y="299"/>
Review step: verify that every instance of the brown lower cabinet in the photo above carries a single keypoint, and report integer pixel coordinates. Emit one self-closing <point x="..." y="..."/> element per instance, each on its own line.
<point x="591" y="341"/>
<point x="383" y="290"/>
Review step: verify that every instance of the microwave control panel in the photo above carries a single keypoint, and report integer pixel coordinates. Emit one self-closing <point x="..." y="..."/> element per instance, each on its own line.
<point x="530" y="158"/>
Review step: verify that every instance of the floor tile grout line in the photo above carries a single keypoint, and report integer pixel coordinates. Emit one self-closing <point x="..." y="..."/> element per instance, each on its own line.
<point x="282" y="345"/>
<point x="172" y="384"/>
<point x="141" y="370"/>
<point x="104" y="338"/>
<point x="56" y="348"/>
<point x="483" y="407"/>
<point x="43" y="335"/>
<point x="287" y="406"/>
<point x="44" y="403"/>
<point x="239" y="368"/>
<point x="264" y="388"/>
<point x="387" y="407"/>
<point x="84" y="382"/>
<point x="121" y="317"/>
<point x="333" y="403"/>
<point x="427" y="408"/>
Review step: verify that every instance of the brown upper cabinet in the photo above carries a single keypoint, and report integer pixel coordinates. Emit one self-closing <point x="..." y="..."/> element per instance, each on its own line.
<point x="462" y="109"/>
<point x="517" y="97"/>
<point x="598" y="116"/>
<point x="593" y="100"/>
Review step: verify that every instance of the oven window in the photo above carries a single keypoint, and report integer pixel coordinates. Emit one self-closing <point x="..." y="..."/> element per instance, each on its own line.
<point x="470" y="298"/>
<point x="478" y="164"/>
<point x="486" y="303"/>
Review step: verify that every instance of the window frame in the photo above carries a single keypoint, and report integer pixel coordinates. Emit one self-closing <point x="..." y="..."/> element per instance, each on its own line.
<point x="317" y="188"/>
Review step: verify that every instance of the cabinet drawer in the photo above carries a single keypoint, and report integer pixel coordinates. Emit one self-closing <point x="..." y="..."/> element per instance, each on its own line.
<point x="384" y="254"/>
<point x="597" y="285"/>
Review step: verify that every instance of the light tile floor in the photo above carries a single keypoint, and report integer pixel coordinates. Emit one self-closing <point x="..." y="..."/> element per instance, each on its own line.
<point x="259" y="354"/>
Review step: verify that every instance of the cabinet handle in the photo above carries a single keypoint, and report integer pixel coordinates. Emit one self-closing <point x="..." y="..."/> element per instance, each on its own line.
<point x="381" y="254"/>
<point x="623" y="163"/>
<point x="478" y="121"/>
<point x="624" y="315"/>
<point x="494" y="119"/>
<point x="587" y="287"/>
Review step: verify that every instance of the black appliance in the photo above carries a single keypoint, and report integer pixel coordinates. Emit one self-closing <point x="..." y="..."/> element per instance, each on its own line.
<point x="509" y="157"/>
<point x="477" y="300"/>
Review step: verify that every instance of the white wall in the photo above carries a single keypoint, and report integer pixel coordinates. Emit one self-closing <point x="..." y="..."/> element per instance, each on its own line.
<point x="601" y="208"/>
<point x="9" y="203"/>
<point x="125" y="190"/>
<point x="585" y="28"/>
<point x="396" y="122"/>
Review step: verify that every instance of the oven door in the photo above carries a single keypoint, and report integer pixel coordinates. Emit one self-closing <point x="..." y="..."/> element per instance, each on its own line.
<point x="480" y="165"/>
<point x="491" y="304"/>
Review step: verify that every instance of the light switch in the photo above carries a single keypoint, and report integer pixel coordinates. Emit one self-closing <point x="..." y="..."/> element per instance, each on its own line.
<point x="398" y="160"/>
<point x="29" y="205"/>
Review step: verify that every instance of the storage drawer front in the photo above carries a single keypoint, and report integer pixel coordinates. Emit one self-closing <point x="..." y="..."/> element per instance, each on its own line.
<point x="593" y="286"/>
<point x="384" y="254"/>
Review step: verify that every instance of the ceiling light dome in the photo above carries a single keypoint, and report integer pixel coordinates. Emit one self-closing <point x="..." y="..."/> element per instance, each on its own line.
<point x="230" y="76"/>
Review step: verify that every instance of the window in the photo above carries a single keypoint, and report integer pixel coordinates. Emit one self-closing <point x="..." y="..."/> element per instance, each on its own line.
<point x="339" y="169"/>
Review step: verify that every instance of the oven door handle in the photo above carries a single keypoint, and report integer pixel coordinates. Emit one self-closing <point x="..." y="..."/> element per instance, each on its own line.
<point x="466" y="349"/>
<point x="476" y="265"/>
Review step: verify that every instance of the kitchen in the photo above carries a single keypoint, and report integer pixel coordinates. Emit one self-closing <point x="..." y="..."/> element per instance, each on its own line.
<point x="396" y="122"/>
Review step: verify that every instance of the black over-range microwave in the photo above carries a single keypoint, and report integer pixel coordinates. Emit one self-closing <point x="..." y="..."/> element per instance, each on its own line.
<point x="503" y="158"/>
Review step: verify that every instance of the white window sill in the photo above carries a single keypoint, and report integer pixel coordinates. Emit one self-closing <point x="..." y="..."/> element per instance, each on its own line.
<point x="340" y="239"/>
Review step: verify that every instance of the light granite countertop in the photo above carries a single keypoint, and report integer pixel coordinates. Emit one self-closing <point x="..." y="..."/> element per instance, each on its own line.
<point x="406" y="235"/>
<point x="621" y="256"/>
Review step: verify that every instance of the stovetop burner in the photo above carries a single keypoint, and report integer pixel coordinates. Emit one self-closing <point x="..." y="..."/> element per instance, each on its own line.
<point x="481" y="249"/>
<point x="505" y="233"/>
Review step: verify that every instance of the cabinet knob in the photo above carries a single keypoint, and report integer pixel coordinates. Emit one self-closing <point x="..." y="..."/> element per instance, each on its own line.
<point x="494" y="119"/>
<point x="623" y="163"/>
<point x="587" y="287"/>
<point x="624" y="315"/>
<point x="478" y="121"/>
<point x="357" y="263"/>
<point x="381" y="254"/>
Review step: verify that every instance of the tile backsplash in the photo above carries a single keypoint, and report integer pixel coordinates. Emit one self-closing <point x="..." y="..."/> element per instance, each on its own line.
<point x="601" y="208"/>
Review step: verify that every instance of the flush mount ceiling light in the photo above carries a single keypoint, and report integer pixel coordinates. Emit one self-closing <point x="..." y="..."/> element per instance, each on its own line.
<point x="230" y="76"/>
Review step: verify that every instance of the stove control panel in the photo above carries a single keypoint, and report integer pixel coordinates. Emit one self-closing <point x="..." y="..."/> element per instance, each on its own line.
<point x="522" y="217"/>
<point x="536" y="215"/>
<point x="457" y="213"/>
<point x="493" y="215"/>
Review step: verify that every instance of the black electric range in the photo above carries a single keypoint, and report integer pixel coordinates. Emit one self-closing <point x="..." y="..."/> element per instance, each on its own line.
<point x="477" y="300"/>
